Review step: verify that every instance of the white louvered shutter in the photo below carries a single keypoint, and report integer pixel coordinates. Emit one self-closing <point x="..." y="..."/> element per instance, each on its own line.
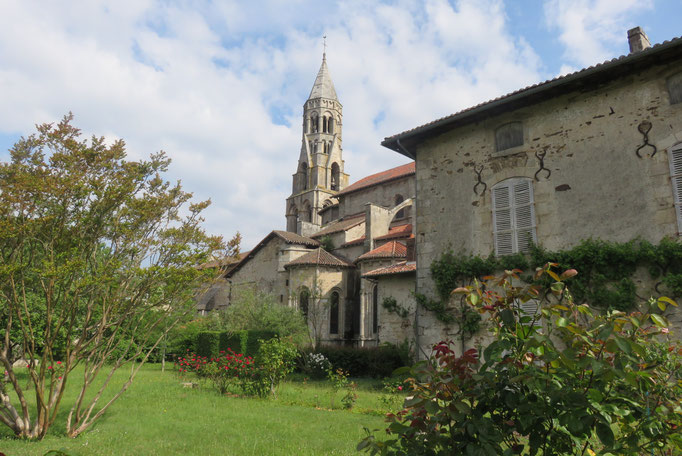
<point x="513" y="216"/>
<point x="675" y="158"/>
<point x="524" y="215"/>
<point x="530" y="308"/>
<point x="502" y="220"/>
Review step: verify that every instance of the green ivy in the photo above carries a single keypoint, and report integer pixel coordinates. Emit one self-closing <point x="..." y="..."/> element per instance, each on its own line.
<point x="606" y="269"/>
<point x="392" y="305"/>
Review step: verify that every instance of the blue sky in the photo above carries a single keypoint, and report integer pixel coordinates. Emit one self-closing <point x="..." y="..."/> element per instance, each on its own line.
<point x="220" y="85"/>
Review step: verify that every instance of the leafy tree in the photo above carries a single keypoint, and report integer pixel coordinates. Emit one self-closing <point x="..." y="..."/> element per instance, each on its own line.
<point x="257" y="310"/>
<point x="97" y="263"/>
<point x="568" y="380"/>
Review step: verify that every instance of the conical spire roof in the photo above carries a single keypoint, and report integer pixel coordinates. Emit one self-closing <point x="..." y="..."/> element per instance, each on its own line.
<point x="323" y="87"/>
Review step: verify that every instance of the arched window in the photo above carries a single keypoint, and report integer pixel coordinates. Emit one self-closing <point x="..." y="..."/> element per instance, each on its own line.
<point x="375" y="309"/>
<point x="334" y="313"/>
<point x="398" y="200"/>
<point x="331" y="126"/>
<point x="303" y="303"/>
<point x="314" y="123"/>
<point x="325" y="124"/>
<point x="674" y="84"/>
<point x="335" y="176"/>
<point x="508" y="136"/>
<point x="513" y="216"/>
<point x="304" y="176"/>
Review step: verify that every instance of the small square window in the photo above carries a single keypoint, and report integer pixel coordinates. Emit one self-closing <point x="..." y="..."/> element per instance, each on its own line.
<point x="508" y="136"/>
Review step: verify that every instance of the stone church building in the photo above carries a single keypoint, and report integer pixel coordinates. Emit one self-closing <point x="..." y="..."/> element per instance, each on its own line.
<point x="365" y="229"/>
<point x="593" y="154"/>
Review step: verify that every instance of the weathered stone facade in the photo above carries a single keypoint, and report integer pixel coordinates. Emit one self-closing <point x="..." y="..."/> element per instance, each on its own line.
<point x="587" y="155"/>
<point x="340" y="306"/>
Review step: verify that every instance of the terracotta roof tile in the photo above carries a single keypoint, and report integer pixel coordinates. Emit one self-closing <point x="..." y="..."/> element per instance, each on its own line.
<point x="399" y="268"/>
<point x="320" y="257"/>
<point x="341" y="225"/>
<point x="396" y="232"/>
<point x="293" y="238"/>
<point x="392" y="249"/>
<point x="379" y="178"/>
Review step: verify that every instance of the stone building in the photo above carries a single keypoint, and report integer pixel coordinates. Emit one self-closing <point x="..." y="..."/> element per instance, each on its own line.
<point x="365" y="228"/>
<point x="593" y="154"/>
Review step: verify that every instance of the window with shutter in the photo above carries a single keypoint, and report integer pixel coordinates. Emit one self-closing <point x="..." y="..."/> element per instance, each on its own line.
<point x="513" y="216"/>
<point x="675" y="158"/>
<point x="530" y="312"/>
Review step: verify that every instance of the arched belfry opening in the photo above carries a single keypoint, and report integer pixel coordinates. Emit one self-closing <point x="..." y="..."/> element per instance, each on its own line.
<point x="336" y="174"/>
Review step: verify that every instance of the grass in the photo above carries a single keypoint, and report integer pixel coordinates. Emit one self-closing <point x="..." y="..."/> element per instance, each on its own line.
<point x="158" y="416"/>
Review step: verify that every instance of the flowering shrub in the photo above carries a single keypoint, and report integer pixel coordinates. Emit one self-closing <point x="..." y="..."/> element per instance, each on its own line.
<point x="276" y="359"/>
<point x="227" y="369"/>
<point x="315" y="365"/>
<point x="567" y="381"/>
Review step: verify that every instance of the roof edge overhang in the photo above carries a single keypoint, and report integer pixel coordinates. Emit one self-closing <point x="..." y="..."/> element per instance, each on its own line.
<point x="404" y="143"/>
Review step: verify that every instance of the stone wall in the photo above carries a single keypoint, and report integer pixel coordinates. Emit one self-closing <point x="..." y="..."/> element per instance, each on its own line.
<point x="591" y="184"/>
<point x="392" y="327"/>
<point x="381" y="195"/>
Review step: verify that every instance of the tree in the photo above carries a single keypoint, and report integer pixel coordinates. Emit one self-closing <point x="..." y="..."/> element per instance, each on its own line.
<point x="565" y="380"/>
<point x="105" y="250"/>
<point x="257" y="310"/>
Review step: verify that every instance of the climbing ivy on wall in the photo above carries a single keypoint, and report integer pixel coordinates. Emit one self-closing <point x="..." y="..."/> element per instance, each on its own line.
<point x="606" y="269"/>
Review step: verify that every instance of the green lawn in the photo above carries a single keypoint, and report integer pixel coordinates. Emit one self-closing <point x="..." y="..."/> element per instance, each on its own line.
<point x="158" y="416"/>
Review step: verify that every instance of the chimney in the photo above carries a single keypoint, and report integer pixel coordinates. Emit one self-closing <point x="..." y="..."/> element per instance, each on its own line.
<point x="638" y="40"/>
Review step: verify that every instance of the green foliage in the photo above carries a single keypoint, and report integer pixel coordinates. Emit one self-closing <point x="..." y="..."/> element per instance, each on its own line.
<point x="208" y="343"/>
<point x="327" y="243"/>
<point x="366" y="362"/>
<point x="276" y="359"/>
<point x="581" y="382"/>
<point x="98" y="260"/>
<point x="389" y="303"/>
<point x="606" y="270"/>
<point x="255" y="310"/>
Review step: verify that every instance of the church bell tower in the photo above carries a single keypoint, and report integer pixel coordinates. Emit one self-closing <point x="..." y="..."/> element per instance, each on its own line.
<point x="319" y="173"/>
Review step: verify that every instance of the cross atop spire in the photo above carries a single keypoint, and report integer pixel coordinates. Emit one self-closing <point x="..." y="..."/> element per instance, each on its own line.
<point x="324" y="47"/>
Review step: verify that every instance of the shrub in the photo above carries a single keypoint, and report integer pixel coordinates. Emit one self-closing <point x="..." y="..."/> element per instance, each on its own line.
<point x="315" y="365"/>
<point x="580" y="383"/>
<point x="207" y="343"/>
<point x="375" y="362"/>
<point x="276" y="359"/>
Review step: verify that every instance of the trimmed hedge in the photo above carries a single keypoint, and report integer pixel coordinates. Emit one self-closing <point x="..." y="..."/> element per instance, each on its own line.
<point x="375" y="362"/>
<point x="208" y="343"/>
<point x="211" y="343"/>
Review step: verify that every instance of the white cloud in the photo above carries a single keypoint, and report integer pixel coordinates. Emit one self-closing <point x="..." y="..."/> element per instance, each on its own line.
<point x="593" y="30"/>
<point x="220" y="86"/>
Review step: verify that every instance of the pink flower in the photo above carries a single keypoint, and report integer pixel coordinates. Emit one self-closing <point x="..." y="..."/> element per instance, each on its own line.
<point x="665" y="330"/>
<point x="400" y="388"/>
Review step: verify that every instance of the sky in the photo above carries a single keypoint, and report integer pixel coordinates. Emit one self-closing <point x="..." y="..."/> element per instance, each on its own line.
<point x="220" y="85"/>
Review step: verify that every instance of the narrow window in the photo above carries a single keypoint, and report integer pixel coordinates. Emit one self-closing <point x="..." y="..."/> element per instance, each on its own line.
<point x="513" y="216"/>
<point x="508" y="136"/>
<point x="375" y="309"/>
<point x="675" y="159"/>
<point x="303" y="303"/>
<point x="398" y="200"/>
<point x="674" y="83"/>
<point x="334" y="313"/>
<point x="331" y="125"/>
<point x="335" y="176"/>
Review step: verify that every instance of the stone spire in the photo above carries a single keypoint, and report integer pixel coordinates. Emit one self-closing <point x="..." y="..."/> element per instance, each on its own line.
<point x="323" y="87"/>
